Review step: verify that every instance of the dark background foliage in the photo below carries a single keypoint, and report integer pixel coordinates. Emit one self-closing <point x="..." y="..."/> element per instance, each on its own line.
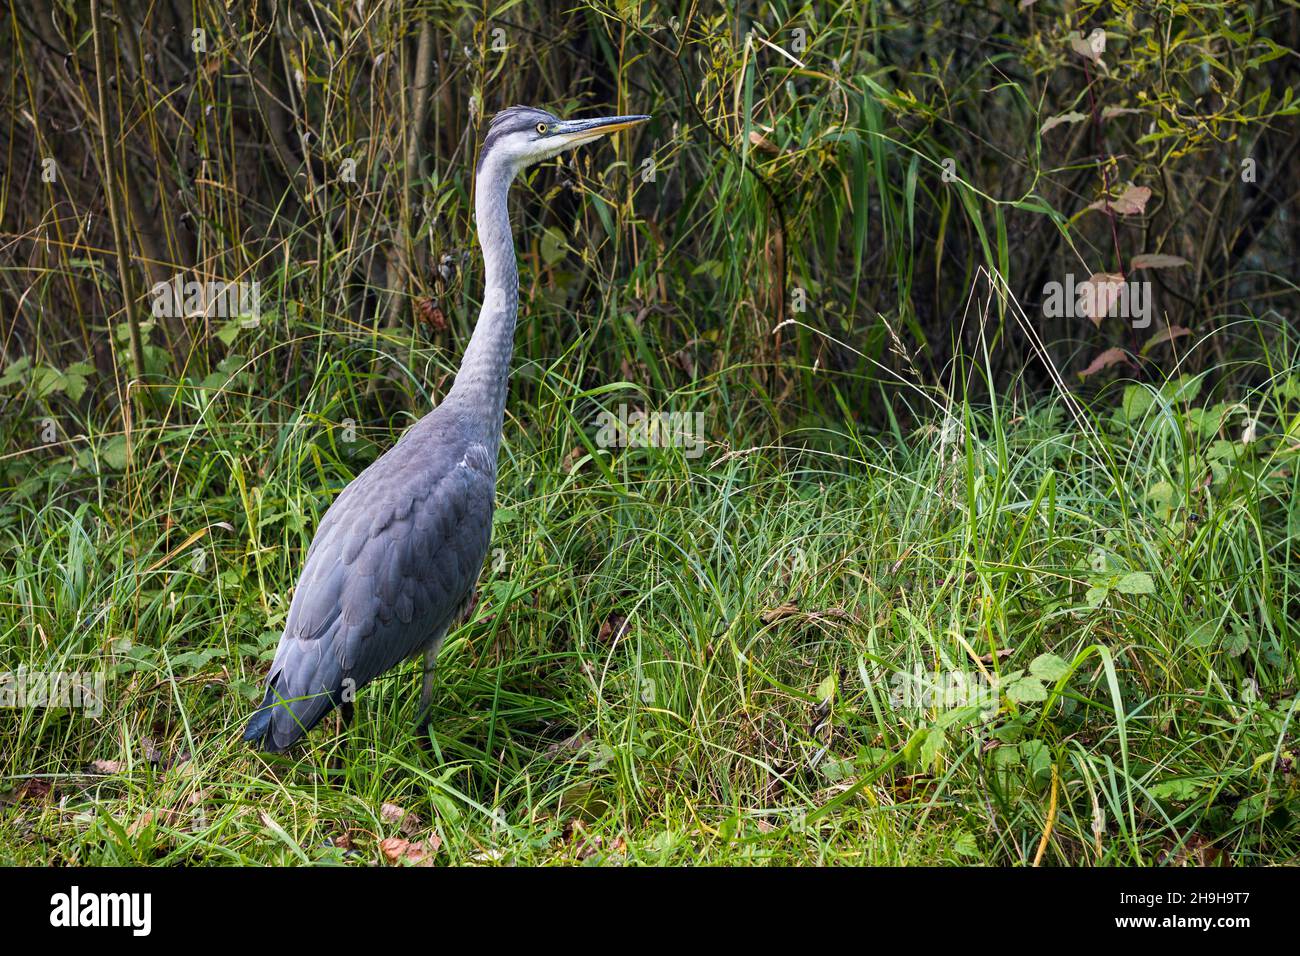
<point x="799" y="156"/>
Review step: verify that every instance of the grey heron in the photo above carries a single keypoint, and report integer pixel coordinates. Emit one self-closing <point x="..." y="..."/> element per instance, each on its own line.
<point x="394" y="562"/>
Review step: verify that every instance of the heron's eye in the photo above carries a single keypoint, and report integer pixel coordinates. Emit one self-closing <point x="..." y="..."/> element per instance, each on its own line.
<point x="541" y="128"/>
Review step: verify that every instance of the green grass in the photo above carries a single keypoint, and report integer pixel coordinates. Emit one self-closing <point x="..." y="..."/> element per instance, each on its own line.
<point x="678" y="660"/>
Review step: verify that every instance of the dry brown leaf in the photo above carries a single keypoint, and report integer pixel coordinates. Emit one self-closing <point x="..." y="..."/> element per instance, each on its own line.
<point x="1106" y="359"/>
<point x="418" y="853"/>
<point x="571" y="461"/>
<point x="1098" y="295"/>
<point x="163" y="816"/>
<point x="31" y="789"/>
<point x="106" y="766"/>
<point x="1132" y="200"/>
<point x="779" y="613"/>
<point x="762" y="143"/>
<point x="612" y="629"/>
<point x="1167" y="334"/>
<point x="430" y="313"/>
<point x="1157" y="261"/>
<point x="404" y="820"/>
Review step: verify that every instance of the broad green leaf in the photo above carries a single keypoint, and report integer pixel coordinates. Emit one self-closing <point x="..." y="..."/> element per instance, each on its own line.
<point x="1136" y="582"/>
<point x="1048" y="667"/>
<point x="1027" y="690"/>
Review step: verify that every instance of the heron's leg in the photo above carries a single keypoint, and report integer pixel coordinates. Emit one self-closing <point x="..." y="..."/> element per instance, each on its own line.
<point x="426" y="690"/>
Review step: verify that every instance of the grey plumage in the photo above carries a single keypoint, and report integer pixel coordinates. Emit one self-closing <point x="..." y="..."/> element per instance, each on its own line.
<point x="396" y="557"/>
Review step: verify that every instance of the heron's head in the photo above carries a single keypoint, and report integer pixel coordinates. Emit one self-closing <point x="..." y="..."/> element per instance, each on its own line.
<point x="522" y="135"/>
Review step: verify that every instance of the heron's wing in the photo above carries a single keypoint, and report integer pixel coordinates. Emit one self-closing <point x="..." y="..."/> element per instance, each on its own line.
<point x="394" y="558"/>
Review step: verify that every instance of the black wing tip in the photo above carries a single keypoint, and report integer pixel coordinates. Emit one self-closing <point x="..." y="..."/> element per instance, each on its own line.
<point x="259" y="731"/>
<point x="276" y="736"/>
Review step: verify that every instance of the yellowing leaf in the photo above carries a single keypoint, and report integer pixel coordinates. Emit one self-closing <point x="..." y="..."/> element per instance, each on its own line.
<point x="1090" y="49"/>
<point x="1061" y="118"/>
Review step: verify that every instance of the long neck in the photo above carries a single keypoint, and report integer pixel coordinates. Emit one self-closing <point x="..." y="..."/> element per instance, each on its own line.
<point x="484" y="377"/>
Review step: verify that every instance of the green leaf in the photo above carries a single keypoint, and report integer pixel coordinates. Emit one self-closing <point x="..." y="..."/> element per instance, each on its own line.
<point x="964" y="844"/>
<point x="931" y="746"/>
<point x="1250" y="809"/>
<point x="1097" y="596"/>
<point x="1027" y="690"/>
<point x="914" y="743"/>
<point x="1175" y="790"/>
<point x="15" y="372"/>
<point x="836" y="769"/>
<point x="1008" y="756"/>
<point x="826" y="689"/>
<point x="1137" y="400"/>
<point x="1038" y="757"/>
<point x="1185" y="388"/>
<point x="1048" y="667"/>
<point x="113" y="452"/>
<point x="1161" y="493"/>
<point x="1136" y="582"/>
<point x="1203" y="634"/>
<point x="229" y="332"/>
<point x="554" y="246"/>
<point x="1237" y="641"/>
<point x="47" y="381"/>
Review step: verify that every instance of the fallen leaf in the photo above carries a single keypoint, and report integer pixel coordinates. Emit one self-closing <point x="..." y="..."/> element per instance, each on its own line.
<point x="164" y="816"/>
<point x="31" y="789"/>
<point x="575" y="742"/>
<point x="1157" y="261"/>
<point x="571" y="461"/>
<point x="1106" y="359"/>
<point x="106" y="766"/>
<point x="404" y="820"/>
<point x="419" y="853"/>
<point x="612" y="629"/>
